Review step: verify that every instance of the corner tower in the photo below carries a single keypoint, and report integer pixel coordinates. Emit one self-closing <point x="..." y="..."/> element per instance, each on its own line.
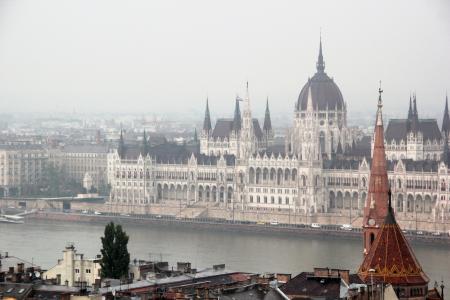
<point x="376" y="207"/>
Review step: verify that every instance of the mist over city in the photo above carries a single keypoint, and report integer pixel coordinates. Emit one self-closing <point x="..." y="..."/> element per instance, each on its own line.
<point x="224" y="150"/>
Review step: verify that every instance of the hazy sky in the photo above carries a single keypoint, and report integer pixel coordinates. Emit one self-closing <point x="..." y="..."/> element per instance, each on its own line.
<point x="158" y="56"/>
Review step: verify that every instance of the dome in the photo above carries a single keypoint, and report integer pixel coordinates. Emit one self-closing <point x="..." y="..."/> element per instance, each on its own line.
<point x="324" y="92"/>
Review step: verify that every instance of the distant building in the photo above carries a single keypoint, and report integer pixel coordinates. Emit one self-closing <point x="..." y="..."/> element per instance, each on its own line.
<point x="79" y="159"/>
<point x="74" y="269"/>
<point x="22" y="168"/>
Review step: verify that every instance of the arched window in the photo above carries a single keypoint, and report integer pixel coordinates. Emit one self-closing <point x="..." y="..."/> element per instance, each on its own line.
<point x="372" y="238"/>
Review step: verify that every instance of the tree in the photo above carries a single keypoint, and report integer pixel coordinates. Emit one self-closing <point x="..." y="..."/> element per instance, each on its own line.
<point x="115" y="255"/>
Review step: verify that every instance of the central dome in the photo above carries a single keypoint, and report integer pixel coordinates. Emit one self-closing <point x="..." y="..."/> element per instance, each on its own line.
<point x="325" y="93"/>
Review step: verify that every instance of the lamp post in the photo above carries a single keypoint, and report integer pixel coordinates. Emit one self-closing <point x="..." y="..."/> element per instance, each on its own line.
<point x="371" y="271"/>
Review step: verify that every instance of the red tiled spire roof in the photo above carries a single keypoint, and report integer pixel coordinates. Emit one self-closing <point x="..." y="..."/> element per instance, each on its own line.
<point x="392" y="257"/>
<point x="375" y="209"/>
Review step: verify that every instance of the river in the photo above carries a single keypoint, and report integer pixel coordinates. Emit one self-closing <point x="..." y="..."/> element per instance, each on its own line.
<point x="43" y="241"/>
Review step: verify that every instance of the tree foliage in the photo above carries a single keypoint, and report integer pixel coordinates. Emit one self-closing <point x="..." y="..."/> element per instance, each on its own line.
<point x="115" y="255"/>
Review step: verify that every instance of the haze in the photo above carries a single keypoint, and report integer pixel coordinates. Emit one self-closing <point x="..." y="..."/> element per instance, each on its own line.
<point x="168" y="56"/>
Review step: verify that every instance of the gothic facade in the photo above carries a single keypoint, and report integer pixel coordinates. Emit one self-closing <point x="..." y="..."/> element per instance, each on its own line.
<point x="323" y="166"/>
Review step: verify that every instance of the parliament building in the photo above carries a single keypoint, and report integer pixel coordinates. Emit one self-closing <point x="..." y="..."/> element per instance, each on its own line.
<point x="322" y="167"/>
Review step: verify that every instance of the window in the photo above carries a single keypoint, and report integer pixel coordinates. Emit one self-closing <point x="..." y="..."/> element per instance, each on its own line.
<point x="77" y="271"/>
<point x="88" y="271"/>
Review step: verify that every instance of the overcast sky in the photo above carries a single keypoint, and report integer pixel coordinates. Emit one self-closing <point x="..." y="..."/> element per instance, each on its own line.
<point x="160" y="56"/>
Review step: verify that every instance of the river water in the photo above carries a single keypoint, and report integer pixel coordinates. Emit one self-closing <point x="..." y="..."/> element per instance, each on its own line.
<point x="43" y="242"/>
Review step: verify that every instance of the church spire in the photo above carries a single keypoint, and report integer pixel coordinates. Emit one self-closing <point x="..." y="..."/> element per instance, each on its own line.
<point x="446" y="119"/>
<point x="237" y="120"/>
<point x="207" y="121"/>
<point x="320" y="63"/>
<point x="267" y="122"/>
<point x="375" y="209"/>
<point x="144" y="148"/>
<point x="121" y="148"/>
<point x="410" y="111"/>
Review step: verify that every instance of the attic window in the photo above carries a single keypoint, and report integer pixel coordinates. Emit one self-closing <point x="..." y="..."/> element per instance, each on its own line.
<point x="9" y="290"/>
<point x="21" y="291"/>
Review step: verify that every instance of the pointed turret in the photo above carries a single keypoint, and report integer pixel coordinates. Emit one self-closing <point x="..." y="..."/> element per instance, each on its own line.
<point x="195" y="135"/>
<point x="121" y="147"/>
<point x="339" y="150"/>
<point x="410" y="111"/>
<point x="392" y="260"/>
<point x="320" y="63"/>
<point x="415" y="116"/>
<point x="446" y="119"/>
<point x="375" y="209"/>
<point x="267" y="122"/>
<point x="207" y="121"/>
<point x="144" y="146"/>
<point x="237" y="120"/>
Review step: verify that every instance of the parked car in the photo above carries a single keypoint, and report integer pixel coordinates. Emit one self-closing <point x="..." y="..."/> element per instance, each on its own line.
<point x="315" y="225"/>
<point x="273" y="222"/>
<point x="84" y="212"/>
<point x="347" y="227"/>
<point x="419" y="232"/>
<point x="436" y="233"/>
<point x="97" y="213"/>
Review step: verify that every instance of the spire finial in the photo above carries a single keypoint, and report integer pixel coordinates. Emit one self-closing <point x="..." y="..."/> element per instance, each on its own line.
<point x="380" y="91"/>
<point x="320" y="63"/>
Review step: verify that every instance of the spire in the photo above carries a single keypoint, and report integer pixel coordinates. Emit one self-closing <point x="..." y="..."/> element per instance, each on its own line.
<point x="121" y="148"/>
<point x="195" y="135"/>
<point x="207" y="122"/>
<point x="375" y="209"/>
<point x="339" y="150"/>
<point x="415" y="116"/>
<point x="320" y="63"/>
<point x="267" y="122"/>
<point x="446" y="119"/>
<point x="410" y="112"/>
<point x="237" y="121"/>
<point x="144" y="147"/>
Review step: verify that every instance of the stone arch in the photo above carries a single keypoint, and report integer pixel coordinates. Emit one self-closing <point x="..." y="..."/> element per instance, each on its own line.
<point x="303" y="180"/>
<point x="214" y="193"/>
<point x="207" y="193"/>
<point x="399" y="206"/>
<point x="347" y="199"/>
<point x="362" y="200"/>
<point x="159" y="193"/>
<point x="355" y="200"/>
<point x="165" y="191"/>
<point x="279" y="176"/>
<point x="251" y="176"/>
<point x="322" y="142"/>
<point x="339" y="200"/>
<point x="200" y="193"/>
<point x="258" y="176"/>
<point x="287" y="175"/>
<point x="332" y="199"/>
<point x="229" y="194"/>
<point x="399" y="184"/>
<point x="265" y="175"/>
<point x="221" y="194"/>
<point x="294" y="174"/>
<point x="273" y="175"/>
<point x="419" y="204"/>
<point x="410" y="203"/>
<point x="178" y="192"/>
<point x="427" y="204"/>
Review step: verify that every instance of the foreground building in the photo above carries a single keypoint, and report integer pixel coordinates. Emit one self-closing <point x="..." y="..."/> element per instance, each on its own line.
<point x="322" y="168"/>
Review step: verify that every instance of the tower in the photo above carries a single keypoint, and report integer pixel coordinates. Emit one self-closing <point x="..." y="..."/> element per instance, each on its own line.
<point x="267" y="126"/>
<point x="144" y="146"/>
<point x="247" y="138"/>
<point x="446" y="119"/>
<point x="121" y="148"/>
<point x="375" y="209"/>
<point x="391" y="260"/>
<point x="206" y="131"/>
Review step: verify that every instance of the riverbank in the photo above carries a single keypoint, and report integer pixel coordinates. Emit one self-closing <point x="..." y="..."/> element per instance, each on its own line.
<point x="227" y="225"/>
